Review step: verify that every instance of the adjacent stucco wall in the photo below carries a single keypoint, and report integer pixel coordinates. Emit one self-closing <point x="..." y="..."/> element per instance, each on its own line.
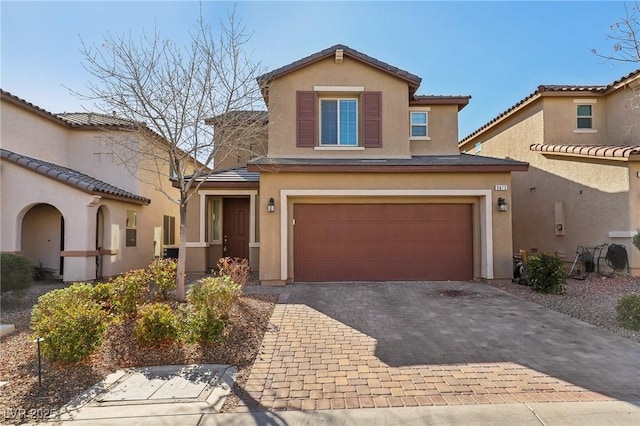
<point x="26" y="132"/>
<point x="282" y="108"/>
<point x="597" y="199"/>
<point x="30" y="134"/>
<point x="623" y="116"/>
<point x="273" y="183"/>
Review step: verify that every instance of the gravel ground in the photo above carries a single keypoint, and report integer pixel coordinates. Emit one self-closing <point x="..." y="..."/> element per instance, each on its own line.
<point x="243" y="335"/>
<point x="593" y="300"/>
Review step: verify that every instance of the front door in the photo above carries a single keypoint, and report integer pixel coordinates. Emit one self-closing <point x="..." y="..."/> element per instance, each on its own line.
<point x="235" y="227"/>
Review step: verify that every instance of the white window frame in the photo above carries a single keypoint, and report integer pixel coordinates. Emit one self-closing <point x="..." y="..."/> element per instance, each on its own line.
<point x="338" y="99"/>
<point x="424" y="111"/>
<point x="585" y="102"/>
<point x="129" y="227"/>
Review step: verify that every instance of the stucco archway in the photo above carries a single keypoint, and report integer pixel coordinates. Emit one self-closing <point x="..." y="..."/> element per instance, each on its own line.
<point x="43" y="237"/>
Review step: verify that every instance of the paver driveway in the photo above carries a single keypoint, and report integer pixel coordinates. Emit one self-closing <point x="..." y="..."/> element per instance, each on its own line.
<point x="358" y="345"/>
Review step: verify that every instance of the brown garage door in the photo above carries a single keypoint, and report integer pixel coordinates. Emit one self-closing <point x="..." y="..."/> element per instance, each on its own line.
<point x="382" y="242"/>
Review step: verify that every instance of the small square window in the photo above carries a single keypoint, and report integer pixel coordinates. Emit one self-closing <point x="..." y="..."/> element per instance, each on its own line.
<point x="584" y="117"/>
<point x="419" y="125"/>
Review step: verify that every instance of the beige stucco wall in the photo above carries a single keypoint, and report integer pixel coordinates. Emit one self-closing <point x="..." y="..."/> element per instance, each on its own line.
<point x="30" y="134"/>
<point x="25" y="132"/>
<point x="623" y="117"/>
<point x="442" y="129"/>
<point x="599" y="198"/>
<point x="273" y="183"/>
<point x="282" y="108"/>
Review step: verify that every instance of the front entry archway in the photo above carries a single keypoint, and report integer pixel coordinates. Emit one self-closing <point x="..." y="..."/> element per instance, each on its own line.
<point x="43" y="237"/>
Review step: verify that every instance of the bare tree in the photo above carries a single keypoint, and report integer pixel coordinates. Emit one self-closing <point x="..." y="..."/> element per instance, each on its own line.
<point x="168" y="92"/>
<point x="625" y="35"/>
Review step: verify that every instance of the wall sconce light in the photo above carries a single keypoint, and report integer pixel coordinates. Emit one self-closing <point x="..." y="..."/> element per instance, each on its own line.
<point x="502" y="204"/>
<point x="271" y="206"/>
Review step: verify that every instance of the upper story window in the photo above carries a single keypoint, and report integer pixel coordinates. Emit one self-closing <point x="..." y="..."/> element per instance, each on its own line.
<point x="327" y="120"/>
<point x="420" y="125"/>
<point x="339" y="122"/>
<point x="585" y="117"/>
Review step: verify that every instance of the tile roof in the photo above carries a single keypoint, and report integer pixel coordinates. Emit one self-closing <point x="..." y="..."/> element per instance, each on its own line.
<point x="558" y="88"/>
<point x="427" y="161"/>
<point x="72" y="177"/>
<point x="237" y="174"/>
<point x="94" y="119"/>
<point x="412" y="79"/>
<point x="594" y="151"/>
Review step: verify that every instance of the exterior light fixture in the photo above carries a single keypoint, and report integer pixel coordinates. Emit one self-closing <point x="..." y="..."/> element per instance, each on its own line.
<point x="271" y="206"/>
<point x="502" y="204"/>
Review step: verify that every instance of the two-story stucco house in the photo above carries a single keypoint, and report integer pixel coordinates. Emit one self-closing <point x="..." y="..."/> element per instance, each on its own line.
<point x="69" y="203"/>
<point x="363" y="181"/>
<point x="583" y="184"/>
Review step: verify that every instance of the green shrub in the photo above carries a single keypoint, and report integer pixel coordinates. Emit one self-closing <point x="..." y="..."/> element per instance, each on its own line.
<point x="162" y="273"/>
<point x="129" y="291"/>
<point x="156" y="324"/>
<point x="199" y="325"/>
<point x="236" y="268"/>
<point x="70" y="321"/>
<point x="210" y="301"/>
<point x="629" y="311"/>
<point x="16" y="272"/>
<point x="636" y="240"/>
<point x="546" y="273"/>
<point x="214" y="294"/>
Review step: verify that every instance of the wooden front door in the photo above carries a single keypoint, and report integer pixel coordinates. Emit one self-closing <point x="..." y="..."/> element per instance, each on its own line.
<point x="235" y="227"/>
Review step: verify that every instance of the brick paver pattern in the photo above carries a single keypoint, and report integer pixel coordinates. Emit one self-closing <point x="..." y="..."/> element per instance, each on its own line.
<point x="311" y="361"/>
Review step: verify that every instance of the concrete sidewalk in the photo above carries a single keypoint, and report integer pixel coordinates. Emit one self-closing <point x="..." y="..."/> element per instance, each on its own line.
<point x="612" y="413"/>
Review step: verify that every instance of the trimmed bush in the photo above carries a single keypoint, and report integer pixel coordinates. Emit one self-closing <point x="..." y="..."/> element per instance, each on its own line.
<point x="162" y="273"/>
<point x="16" y="272"/>
<point x="210" y="301"/>
<point x="629" y="311"/>
<point x="129" y="291"/>
<point x="156" y="324"/>
<point x="546" y="273"/>
<point x="235" y="268"/>
<point x="71" y="322"/>
<point x="214" y="294"/>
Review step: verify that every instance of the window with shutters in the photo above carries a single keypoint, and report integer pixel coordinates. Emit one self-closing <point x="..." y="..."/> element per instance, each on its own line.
<point x="327" y="121"/>
<point x="339" y="122"/>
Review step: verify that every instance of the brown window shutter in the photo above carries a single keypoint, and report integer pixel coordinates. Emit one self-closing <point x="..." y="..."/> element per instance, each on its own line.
<point x="306" y="119"/>
<point x="372" y="119"/>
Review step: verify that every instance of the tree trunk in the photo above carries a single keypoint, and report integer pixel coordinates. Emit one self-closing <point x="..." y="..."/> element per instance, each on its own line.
<point x="182" y="254"/>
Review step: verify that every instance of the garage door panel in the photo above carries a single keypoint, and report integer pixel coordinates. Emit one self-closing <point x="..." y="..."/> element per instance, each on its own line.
<point x="371" y="242"/>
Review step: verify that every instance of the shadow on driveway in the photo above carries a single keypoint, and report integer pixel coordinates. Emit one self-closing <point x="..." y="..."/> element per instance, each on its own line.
<point x="420" y="323"/>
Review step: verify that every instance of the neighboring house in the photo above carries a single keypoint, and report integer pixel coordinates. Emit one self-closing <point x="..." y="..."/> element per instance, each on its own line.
<point x="583" y="183"/>
<point x="362" y="181"/>
<point x="69" y="204"/>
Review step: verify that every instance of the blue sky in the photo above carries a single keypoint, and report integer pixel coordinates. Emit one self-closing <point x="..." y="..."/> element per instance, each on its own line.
<point x="497" y="52"/>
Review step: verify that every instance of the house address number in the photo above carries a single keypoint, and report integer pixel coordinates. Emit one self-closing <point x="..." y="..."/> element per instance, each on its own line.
<point x="500" y="187"/>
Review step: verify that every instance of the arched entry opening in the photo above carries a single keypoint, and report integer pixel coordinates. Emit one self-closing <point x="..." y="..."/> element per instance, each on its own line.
<point x="43" y="237"/>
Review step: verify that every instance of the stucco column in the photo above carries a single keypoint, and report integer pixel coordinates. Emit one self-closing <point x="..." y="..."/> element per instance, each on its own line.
<point x="79" y="242"/>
